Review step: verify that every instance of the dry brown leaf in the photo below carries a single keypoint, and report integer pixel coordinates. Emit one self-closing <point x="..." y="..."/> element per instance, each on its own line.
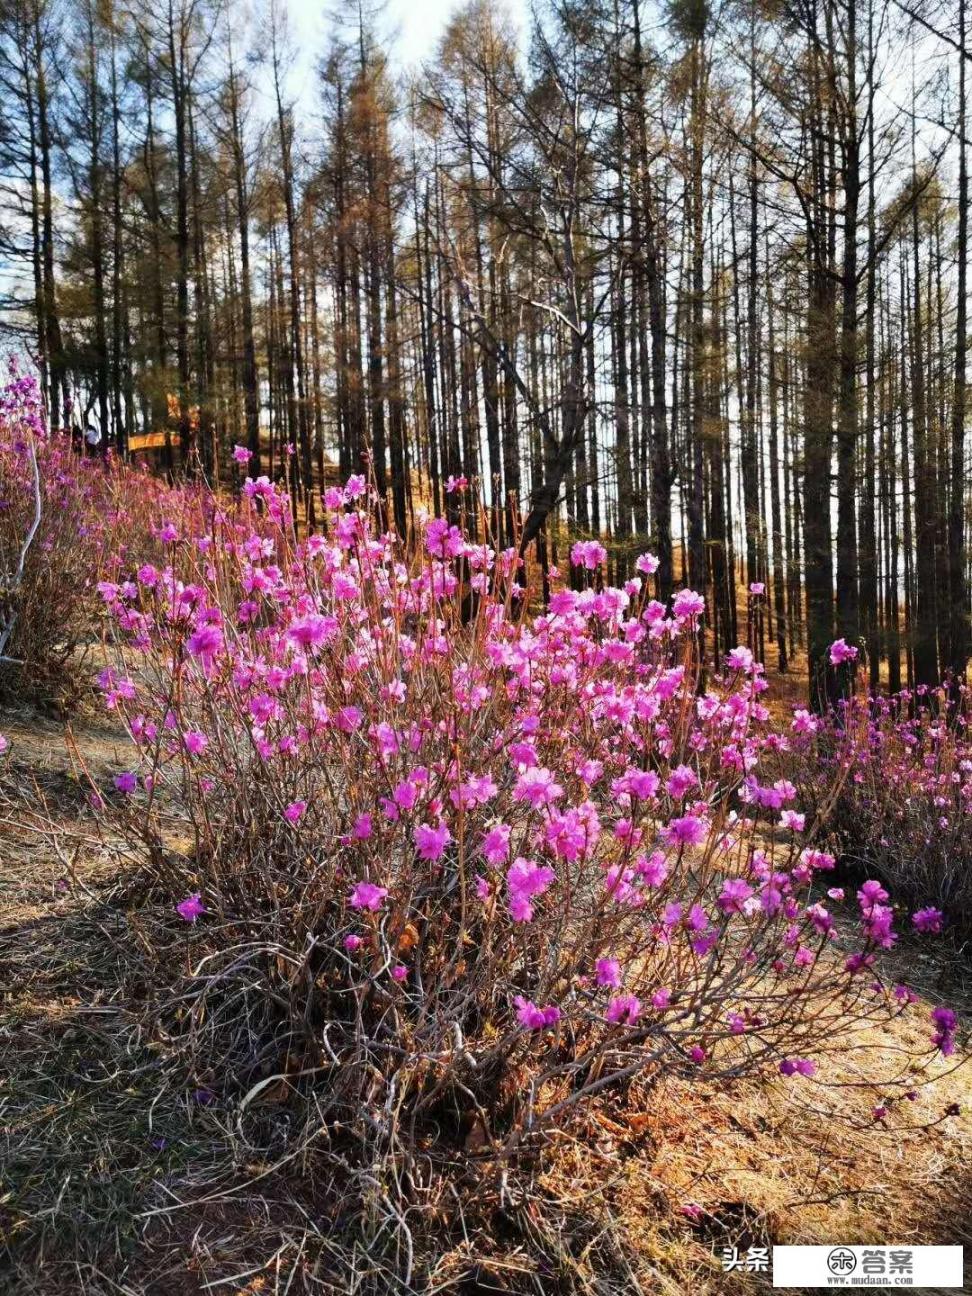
<point x="408" y="939"/>
<point x="477" y="1138"/>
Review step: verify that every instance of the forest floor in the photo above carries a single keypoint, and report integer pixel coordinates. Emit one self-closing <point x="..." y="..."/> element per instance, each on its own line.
<point x="109" y="1186"/>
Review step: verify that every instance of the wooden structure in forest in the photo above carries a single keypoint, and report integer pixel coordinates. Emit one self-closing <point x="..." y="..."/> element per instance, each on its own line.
<point x="147" y="441"/>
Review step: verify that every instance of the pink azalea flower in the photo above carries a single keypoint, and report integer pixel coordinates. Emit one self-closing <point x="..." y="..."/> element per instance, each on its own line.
<point x="524" y="880"/>
<point x="859" y="962"/>
<point x="532" y="1018"/>
<point x="877" y="925"/>
<point x="294" y="811"/>
<point x="687" y="604"/>
<point x="311" y="631"/>
<point x="652" y="869"/>
<point x="870" y="894"/>
<point x="841" y="651"/>
<point x="739" y="659"/>
<point x="798" y="1066"/>
<point x="205" y="642"/>
<point x="821" y="860"/>
<point x="688" y="830"/>
<point x="672" y="914"/>
<point x="562" y="602"/>
<point x="623" y="1009"/>
<point x="944" y="1037"/>
<point x="405" y="795"/>
<point x="804" y="722"/>
<point x="608" y="972"/>
<point x="191" y="908"/>
<point x="927" y="920"/>
<point x="368" y="896"/>
<point x="496" y="844"/>
<point x="681" y="781"/>
<point x="644" y="784"/>
<point x="431" y="842"/>
<point x="537" y="787"/>
<point x="735" y="892"/>
<point x="589" y="554"/>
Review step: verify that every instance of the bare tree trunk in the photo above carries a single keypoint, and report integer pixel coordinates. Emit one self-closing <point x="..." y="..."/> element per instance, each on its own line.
<point x="957" y="584"/>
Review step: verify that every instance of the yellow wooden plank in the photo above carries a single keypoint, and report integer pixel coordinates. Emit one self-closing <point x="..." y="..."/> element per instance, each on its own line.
<point x="147" y="441"/>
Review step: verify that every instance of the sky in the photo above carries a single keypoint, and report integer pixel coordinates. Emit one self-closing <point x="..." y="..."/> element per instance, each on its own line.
<point x="412" y="28"/>
<point x="416" y="24"/>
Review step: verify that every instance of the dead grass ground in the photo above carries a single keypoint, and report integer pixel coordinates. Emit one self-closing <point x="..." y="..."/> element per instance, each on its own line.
<point x="110" y="1185"/>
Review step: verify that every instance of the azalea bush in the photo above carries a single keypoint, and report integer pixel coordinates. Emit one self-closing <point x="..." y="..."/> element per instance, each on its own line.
<point x="903" y="813"/>
<point x="454" y="865"/>
<point x="66" y="520"/>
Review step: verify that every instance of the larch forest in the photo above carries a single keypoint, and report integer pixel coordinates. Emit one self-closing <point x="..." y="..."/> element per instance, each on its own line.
<point x="692" y="275"/>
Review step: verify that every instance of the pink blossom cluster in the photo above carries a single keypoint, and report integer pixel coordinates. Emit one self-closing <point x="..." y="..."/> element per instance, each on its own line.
<point x="465" y="828"/>
<point x="901" y="770"/>
<point x="97" y="517"/>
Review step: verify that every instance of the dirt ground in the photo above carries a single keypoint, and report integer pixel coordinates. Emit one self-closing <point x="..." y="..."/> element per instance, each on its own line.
<point x="111" y="1186"/>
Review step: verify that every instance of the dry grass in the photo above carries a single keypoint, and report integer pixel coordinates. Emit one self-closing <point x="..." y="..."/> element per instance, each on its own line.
<point x="118" y="1178"/>
<point x="784" y="1162"/>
